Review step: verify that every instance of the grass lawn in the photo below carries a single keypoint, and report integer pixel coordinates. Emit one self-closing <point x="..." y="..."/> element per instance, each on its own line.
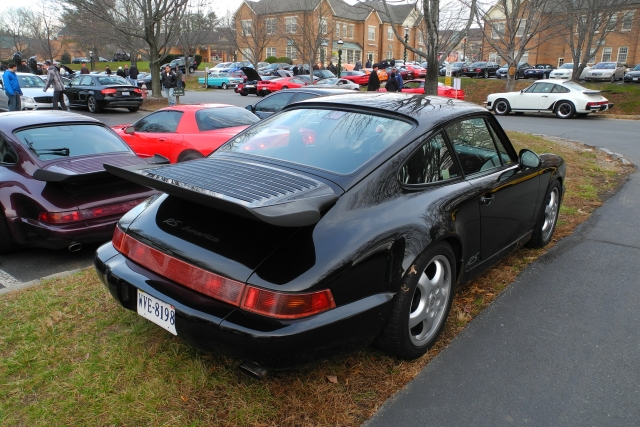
<point x="70" y="356"/>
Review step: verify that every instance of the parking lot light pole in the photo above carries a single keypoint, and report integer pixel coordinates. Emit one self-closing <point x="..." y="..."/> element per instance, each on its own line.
<point x="91" y="59"/>
<point x="340" y="43"/>
<point x="406" y="41"/>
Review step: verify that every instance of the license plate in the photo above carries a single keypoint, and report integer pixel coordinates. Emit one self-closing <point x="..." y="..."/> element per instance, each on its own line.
<point x="125" y="93"/>
<point x="159" y="312"/>
<point x="635" y="79"/>
<point x="248" y="86"/>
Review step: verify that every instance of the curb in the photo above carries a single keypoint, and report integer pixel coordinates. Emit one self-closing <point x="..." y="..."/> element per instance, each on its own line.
<point x="24" y="285"/>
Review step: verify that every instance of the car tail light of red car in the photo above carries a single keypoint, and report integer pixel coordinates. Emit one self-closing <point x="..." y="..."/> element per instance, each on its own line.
<point x="88" y="214"/>
<point x="260" y="301"/>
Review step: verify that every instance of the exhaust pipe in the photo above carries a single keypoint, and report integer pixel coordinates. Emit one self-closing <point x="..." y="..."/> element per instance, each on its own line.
<point x="75" y="247"/>
<point x="254" y="370"/>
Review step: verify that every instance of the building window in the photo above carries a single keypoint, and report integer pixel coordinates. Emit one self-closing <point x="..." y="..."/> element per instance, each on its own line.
<point x="627" y="21"/>
<point x="323" y="25"/>
<point x="349" y="56"/>
<point x="271" y="51"/>
<point x="247" y="54"/>
<point x="592" y="54"/>
<point x="370" y="57"/>
<point x="420" y="38"/>
<point x="606" y="54"/>
<point x="246" y="27"/>
<point x="338" y="30"/>
<point x="560" y="62"/>
<point x="270" y="23"/>
<point x="351" y="29"/>
<point x="622" y="54"/>
<point x="372" y="32"/>
<point x="291" y="24"/>
<point x="521" y="27"/>
<point x="344" y="30"/>
<point x="498" y="30"/>
<point x="389" y="54"/>
<point x="389" y="33"/>
<point x="611" y="25"/>
<point x="493" y="56"/>
<point x="291" y="52"/>
<point x="356" y="55"/>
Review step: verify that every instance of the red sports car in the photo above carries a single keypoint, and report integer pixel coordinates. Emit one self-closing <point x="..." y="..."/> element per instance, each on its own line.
<point x="417" y="86"/>
<point x="185" y="132"/>
<point x="406" y="74"/>
<point x="359" y="77"/>
<point x="269" y="86"/>
<point x="416" y="70"/>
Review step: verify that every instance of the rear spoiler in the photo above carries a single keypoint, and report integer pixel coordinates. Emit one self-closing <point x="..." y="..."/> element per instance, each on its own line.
<point x="250" y="189"/>
<point x="595" y="92"/>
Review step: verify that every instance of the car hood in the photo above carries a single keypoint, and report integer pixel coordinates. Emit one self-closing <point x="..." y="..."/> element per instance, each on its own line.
<point x="251" y="73"/>
<point x="633" y="73"/>
<point x="33" y="92"/>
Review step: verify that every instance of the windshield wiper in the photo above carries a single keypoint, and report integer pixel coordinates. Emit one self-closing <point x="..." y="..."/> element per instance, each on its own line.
<point x="52" y="151"/>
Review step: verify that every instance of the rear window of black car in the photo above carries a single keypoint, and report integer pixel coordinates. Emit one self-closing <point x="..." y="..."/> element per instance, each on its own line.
<point x="333" y="140"/>
<point x="54" y="142"/>
<point x="220" y="118"/>
<point x="113" y="80"/>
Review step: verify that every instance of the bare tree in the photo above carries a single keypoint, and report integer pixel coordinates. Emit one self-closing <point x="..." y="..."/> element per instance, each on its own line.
<point x="152" y="21"/>
<point x="251" y="35"/>
<point x="313" y="35"/>
<point x="435" y="17"/>
<point x="43" y="25"/>
<point x="512" y="27"/>
<point x="195" y="26"/>
<point x="13" y="21"/>
<point x="586" y="25"/>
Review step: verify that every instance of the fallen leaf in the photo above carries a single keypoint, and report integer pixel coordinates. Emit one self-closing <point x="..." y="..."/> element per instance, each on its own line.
<point x="332" y="379"/>
<point x="184" y="399"/>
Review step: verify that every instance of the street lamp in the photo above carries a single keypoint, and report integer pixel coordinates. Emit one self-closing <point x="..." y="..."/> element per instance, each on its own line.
<point x="340" y="43"/>
<point x="464" y="50"/>
<point x="91" y="59"/>
<point x="406" y="41"/>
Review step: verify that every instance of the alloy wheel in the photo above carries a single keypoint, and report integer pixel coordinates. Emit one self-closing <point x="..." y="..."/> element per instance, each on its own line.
<point x="550" y="213"/>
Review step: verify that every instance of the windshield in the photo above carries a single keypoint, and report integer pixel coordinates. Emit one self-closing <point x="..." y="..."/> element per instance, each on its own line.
<point x="333" y="140"/>
<point x="29" y="81"/>
<point x="220" y="118"/>
<point x="605" y="66"/>
<point x="637" y="68"/>
<point x="331" y="81"/>
<point x="566" y="66"/>
<point x="54" y="142"/>
<point x="112" y="80"/>
<point x="457" y="64"/>
<point x="478" y="64"/>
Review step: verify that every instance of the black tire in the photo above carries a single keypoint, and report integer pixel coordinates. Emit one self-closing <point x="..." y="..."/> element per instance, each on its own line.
<point x="613" y="78"/>
<point x="517" y="77"/>
<point x="191" y="70"/>
<point x="133" y="109"/>
<point x="285" y="87"/>
<point x="546" y="223"/>
<point x="243" y="94"/>
<point x="224" y="86"/>
<point x="6" y="240"/>
<point x="92" y="105"/>
<point x="185" y="156"/>
<point x="411" y="300"/>
<point x="565" y="109"/>
<point x="486" y="74"/>
<point x="501" y="107"/>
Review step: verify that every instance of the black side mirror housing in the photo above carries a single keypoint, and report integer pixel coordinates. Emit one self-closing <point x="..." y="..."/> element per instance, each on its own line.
<point x="528" y="159"/>
<point x="249" y="107"/>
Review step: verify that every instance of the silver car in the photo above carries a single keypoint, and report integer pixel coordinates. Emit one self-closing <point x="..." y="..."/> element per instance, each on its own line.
<point x="33" y="98"/>
<point x="606" y="71"/>
<point x="336" y="83"/>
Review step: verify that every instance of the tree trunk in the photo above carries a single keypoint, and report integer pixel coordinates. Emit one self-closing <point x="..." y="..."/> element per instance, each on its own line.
<point x="154" y="68"/>
<point x="511" y="79"/>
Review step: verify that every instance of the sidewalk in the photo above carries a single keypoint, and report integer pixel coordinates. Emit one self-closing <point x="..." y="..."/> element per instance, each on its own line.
<point x="560" y="347"/>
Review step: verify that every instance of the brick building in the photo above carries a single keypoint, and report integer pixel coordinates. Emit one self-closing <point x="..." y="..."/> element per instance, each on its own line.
<point x="621" y="45"/>
<point x="275" y="27"/>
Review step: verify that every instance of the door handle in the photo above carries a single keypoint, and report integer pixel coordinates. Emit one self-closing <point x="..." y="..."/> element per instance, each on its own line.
<point x="545" y="96"/>
<point x="486" y="199"/>
<point x="162" y="139"/>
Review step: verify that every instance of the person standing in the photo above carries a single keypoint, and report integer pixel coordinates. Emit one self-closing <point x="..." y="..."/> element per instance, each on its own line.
<point x="169" y="81"/>
<point x="133" y="75"/>
<point x="392" y="82"/>
<point x="12" y="87"/>
<point x="126" y="72"/>
<point x="295" y="70"/>
<point x="180" y="83"/>
<point x="24" y="68"/>
<point x="107" y="70"/>
<point x="84" y="69"/>
<point x="399" y="79"/>
<point x="120" y="72"/>
<point x="54" y="79"/>
<point x="331" y="67"/>
<point x="368" y="64"/>
<point x="374" y="80"/>
<point x="358" y="66"/>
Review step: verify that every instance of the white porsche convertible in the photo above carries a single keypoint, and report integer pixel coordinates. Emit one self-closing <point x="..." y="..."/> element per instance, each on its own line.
<point x="562" y="98"/>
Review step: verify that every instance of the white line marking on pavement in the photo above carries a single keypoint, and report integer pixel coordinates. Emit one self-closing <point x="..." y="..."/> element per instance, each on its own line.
<point x="7" y="280"/>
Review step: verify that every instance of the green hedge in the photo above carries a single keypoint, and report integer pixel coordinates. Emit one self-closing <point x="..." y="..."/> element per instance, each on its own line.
<point x="285" y="59"/>
<point x="271" y="59"/>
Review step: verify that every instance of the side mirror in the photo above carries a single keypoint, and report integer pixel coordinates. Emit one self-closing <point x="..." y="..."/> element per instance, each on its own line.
<point x="129" y="130"/>
<point x="528" y="159"/>
<point x="521" y="90"/>
<point x="249" y="107"/>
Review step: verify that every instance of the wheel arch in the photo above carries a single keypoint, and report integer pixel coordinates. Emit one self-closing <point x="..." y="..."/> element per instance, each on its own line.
<point x="552" y="107"/>
<point x="186" y="152"/>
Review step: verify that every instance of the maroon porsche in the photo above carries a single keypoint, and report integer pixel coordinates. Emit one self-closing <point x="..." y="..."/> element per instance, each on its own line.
<point x="54" y="191"/>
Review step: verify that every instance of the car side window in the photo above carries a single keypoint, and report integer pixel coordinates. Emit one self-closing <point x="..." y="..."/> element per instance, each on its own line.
<point x="474" y="145"/>
<point x="161" y="121"/>
<point x="412" y="85"/>
<point x="541" y="88"/>
<point x="7" y="155"/>
<point x="86" y="81"/>
<point x="76" y="80"/>
<point x="559" y="89"/>
<point x="531" y="89"/>
<point x="274" y="103"/>
<point x="302" y="96"/>
<point x="432" y="162"/>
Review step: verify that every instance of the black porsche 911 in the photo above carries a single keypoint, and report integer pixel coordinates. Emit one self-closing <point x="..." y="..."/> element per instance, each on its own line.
<point x="339" y="222"/>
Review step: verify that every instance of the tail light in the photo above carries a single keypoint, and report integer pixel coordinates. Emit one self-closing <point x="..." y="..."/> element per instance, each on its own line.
<point x="478" y="69"/>
<point x="108" y="91"/>
<point x="136" y="90"/>
<point x="88" y="214"/>
<point x="595" y="104"/>
<point x="260" y="301"/>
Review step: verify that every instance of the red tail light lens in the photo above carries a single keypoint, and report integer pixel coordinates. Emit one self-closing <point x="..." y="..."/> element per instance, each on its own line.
<point x="286" y="306"/>
<point x="108" y="91"/>
<point x="87" y="214"/>
<point x="260" y="301"/>
<point x="136" y="90"/>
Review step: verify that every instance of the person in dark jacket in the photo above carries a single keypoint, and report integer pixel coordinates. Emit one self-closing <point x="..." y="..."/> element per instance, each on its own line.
<point x="84" y="69"/>
<point x="398" y="79"/>
<point x="169" y="81"/>
<point x="295" y="70"/>
<point x="374" y="80"/>
<point x="392" y="83"/>
<point x="368" y="64"/>
<point x="331" y="67"/>
<point x="133" y="75"/>
<point x="24" y="68"/>
<point x="54" y="79"/>
<point x="107" y="70"/>
<point x="12" y="87"/>
<point x="120" y="72"/>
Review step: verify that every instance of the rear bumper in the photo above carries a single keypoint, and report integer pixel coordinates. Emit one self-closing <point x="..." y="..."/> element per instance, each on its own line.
<point x="116" y="102"/>
<point x="213" y="325"/>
